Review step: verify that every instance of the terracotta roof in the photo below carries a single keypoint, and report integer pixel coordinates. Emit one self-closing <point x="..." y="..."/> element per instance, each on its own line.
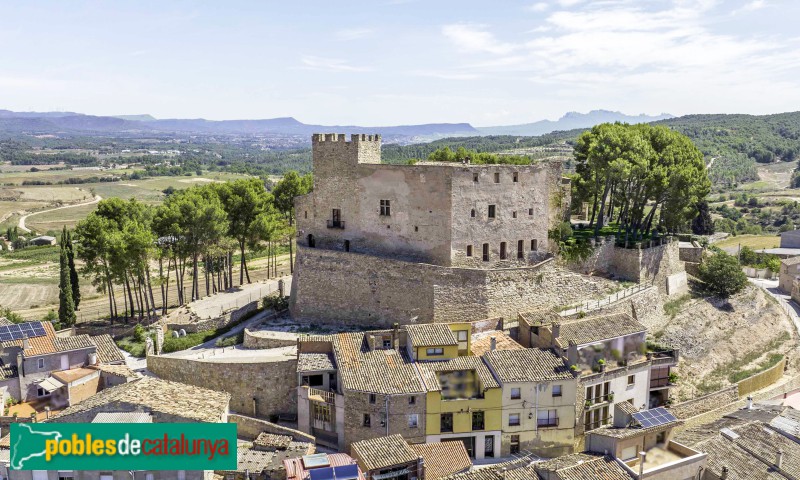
<point x="583" y="466"/>
<point x="499" y="471"/>
<point x="483" y="343"/>
<point x="8" y="371"/>
<point x="69" y="376"/>
<point x="295" y="470"/>
<point x="42" y="345"/>
<point x="631" y="432"/>
<point x="383" y="452"/>
<point x="536" y="318"/>
<point x="78" y="342"/>
<point x="443" y="458"/>
<point x="118" y="370"/>
<point x="626" y="407"/>
<point x="376" y="371"/>
<point x="156" y="395"/>
<point x="270" y="440"/>
<point x="791" y="261"/>
<point x="314" y="362"/>
<point x="107" y="350"/>
<point x="528" y="365"/>
<point x="740" y="455"/>
<point x="596" y="329"/>
<point x="123" y="417"/>
<point x="430" y="369"/>
<point x="430" y="335"/>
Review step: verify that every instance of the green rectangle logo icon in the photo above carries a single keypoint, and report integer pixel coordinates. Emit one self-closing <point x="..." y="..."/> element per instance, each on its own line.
<point x="123" y="446"/>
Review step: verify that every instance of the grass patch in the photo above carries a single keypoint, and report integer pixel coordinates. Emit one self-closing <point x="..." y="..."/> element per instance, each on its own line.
<point x="674" y="307"/>
<point x="132" y="346"/>
<point x="172" y="344"/>
<point x="29" y="280"/>
<point x="231" y="340"/>
<point x="734" y="371"/>
<point x="47" y="253"/>
<point x="755" y="242"/>
<point x="765" y="364"/>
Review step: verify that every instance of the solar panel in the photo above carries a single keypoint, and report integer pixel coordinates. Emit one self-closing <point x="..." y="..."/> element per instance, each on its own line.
<point x="653" y="417"/>
<point x="346" y="472"/>
<point x="321" y="474"/>
<point x="22" y="330"/>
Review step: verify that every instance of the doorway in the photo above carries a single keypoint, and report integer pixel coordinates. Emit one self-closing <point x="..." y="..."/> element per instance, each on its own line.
<point x="311" y="243"/>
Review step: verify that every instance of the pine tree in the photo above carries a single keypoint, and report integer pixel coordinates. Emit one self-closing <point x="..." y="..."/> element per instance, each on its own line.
<point x="66" y="307"/>
<point x="66" y="242"/>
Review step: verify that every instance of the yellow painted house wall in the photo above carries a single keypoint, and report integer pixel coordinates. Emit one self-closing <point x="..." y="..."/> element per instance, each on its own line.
<point x="463" y="326"/>
<point x="450" y="351"/>
<point x="491" y="404"/>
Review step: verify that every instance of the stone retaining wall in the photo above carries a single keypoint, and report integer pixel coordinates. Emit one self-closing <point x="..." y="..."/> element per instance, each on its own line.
<point x="249" y="428"/>
<point x="258" y="387"/>
<point x="706" y="403"/>
<point x="233" y="316"/>
<point x="261" y="339"/>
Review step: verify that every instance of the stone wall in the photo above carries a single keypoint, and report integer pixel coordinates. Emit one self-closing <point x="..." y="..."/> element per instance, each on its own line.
<point x="249" y="428"/>
<point x="706" y="403"/>
<point x="399" y="408"/>
<point x="246" y="381"/>
<point x="263" y="339"/>
<point x="351" y="288"/>
<point x="233" y="316"/>
<point x="647" y="305"/>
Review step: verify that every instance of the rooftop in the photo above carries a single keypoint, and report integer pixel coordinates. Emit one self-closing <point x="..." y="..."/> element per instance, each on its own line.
<point x="528" y="365"/>
<point x="375" y="371"/>
<point x="315" y="362"/>
<point x="78" y="342"/>
<point x="483" y="343"/>
<point x="123" y="417"/>
<point x="536" y="318"/>
<point x="152" y="394"/>
<point x="272" y="441"/>
<point x="430" y="369"/>
<point x="295" y="470"/>
<point x="430" y="335"/>
<point x="383" y="452"/>
<point x="584" y="466"/>
<point x="107" y="350"/>
<point x="42" y="345"/>
<point x="73" y="374"/>
<point x="118" y="370"/>
<point x="597" y="329"/>
<point x="443" y="458"/>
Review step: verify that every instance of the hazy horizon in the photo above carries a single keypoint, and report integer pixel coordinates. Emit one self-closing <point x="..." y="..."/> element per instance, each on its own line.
<point x="400" y="61"/>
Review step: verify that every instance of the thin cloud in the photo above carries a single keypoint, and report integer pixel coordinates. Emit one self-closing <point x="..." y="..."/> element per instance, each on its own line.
<point x="475" y="38"/>
<point x="539" y="7"/>
<point x="330" y="64"/>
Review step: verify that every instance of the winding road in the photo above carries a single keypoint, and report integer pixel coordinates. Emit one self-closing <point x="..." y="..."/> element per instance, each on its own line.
<point x="22" y="219"/>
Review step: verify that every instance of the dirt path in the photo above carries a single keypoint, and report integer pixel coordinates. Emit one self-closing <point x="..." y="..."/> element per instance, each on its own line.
<point x="22" y="219"/>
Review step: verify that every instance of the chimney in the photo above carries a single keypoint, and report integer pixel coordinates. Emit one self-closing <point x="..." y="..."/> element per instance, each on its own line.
<point x="749" y="402"/>
<point x="493" y="344"/>
<point x="779" y="459"/>
<point x="642" y="456"/>
<point x="395" y="328"/>
<point x="724" y="475"/>
<point x="26" y="344"/>
<point x="555" y="329"/>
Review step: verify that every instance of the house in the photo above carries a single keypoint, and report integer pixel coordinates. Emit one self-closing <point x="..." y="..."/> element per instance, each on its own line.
<point x="333" y="466"/>
<point x="144" y="400"/>
<point x="387" y="457"/>
<point x="43" y="240"/>
<point x="442" y="459"/>
<point x="264" y="457"/>
<point x="581" y="466"/>
<point x="790" y="270"/>
<point x="539" y="395"/>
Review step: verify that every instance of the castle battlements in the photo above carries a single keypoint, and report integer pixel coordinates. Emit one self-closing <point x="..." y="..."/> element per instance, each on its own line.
<point x="342" y="137"/>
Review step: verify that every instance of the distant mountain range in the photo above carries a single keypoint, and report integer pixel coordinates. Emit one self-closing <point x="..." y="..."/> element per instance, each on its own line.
<point x="74" y="123"/>
<point x="570" y="121"/>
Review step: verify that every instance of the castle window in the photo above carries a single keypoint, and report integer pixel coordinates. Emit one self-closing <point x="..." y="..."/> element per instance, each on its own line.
<point x="516" y="177"/>
<point x="385" y="208"/>
<point x="491" y="211"/>
<point x="347" y="245"/>
<point x="534" y="245"/>
<point x="469" y="250"/>
<point x="520" y="249"/>
<point x="372" y="398"/>
<point x="475" y="177"/>
<point x="496" y="177"/>
<point x="485" y="252"/>
<point x="412" y="400"/>
<point x="502" y="250"/>
<point x="514" y="214"/>
<point x="530" y="211"/>
<point x="416" y="228"/>
<point x="472" y="213"/>
<point x="305" y="214"/>
<point x="367" y="420"/>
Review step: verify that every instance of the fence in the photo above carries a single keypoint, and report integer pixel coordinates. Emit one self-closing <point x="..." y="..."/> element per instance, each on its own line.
<point x="590" y="305"/>
<point x="763" y="379"/>
<point x="254" y="295"/>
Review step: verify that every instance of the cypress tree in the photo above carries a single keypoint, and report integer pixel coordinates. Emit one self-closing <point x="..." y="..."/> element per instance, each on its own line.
<point x="73" y="272"/>
<point x="66" y="307"/>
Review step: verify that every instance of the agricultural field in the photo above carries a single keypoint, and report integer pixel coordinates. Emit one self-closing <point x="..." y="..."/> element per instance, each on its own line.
<point x="755" y="242"/>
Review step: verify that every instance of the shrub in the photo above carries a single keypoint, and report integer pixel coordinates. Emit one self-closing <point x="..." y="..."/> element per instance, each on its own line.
<point x="723" y="275"/>
<point x="275" y="303"/>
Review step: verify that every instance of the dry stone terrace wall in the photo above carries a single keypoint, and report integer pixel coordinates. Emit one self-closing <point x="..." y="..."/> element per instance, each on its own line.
<point x="272" y="383"/>
<point x="351" y="288"/>
<point x="249" y="428"/>
<point x="706" y="403"/>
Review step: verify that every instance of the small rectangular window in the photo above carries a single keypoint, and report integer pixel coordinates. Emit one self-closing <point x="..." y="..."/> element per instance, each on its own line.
<point x="469" y="250"/>
<point x="305" y="214"/>
<point x="631" y="379"/>
<point x="534" y="245"/>
<point x="502" y="250"/>
<point x="514" y="444"/>
<point x="547" y="418"/>
<point x="432" y="352"/>
<point x="520" y="249"/>
<point x="413" y="420"/>
<point x="496" y="177"/>
<point x="530" y="211"/>
<point x="412" y="400"/>
<point x="477" y="421"/>
<point x="514" y="214"/>
<point x="491" y="211"/>
<point x="474" y="177"/>
<point x="513" y="420"/>
<point x="485" y="252"/>
<point x="367" y="420"/>
<point x="556" y="390"/>
<point x="516" y="394"/>
<point x="446" y="422"/>
<point x="372" y="398"/>
<point x="387" y="343"/>
<point x="385" y="208"/>
<point x="40" y="363"/>
<point x="416" y="228"/>
<point x="516" y="177"/>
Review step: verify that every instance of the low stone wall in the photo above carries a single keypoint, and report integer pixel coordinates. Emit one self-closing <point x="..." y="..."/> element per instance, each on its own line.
<point x="252" y="383"/>
<point x="647" y="305"/>
<point x="218" y="322"/>
<point x="262" y="339"/>
<point x="706" y="403"/>
<point x="763" y="379"/>
<point x="249" y="428"/>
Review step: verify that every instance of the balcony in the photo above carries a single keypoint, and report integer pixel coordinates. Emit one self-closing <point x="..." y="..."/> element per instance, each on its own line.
<point x="336" y="224"/>
<point x="321" y="396"/>
<point x="547" y="423"/>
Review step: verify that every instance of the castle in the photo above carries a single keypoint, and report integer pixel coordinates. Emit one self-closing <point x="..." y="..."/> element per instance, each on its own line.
<point x="380" y="244"/>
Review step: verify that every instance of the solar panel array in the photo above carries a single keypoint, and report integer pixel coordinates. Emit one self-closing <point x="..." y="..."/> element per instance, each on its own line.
<point x="21" y="330"/>
<point x="344" y="472"/>
<point x="654" y="417"/>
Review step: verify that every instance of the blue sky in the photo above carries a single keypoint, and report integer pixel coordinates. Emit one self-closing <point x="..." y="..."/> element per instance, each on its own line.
<point x="401" y="61"/>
